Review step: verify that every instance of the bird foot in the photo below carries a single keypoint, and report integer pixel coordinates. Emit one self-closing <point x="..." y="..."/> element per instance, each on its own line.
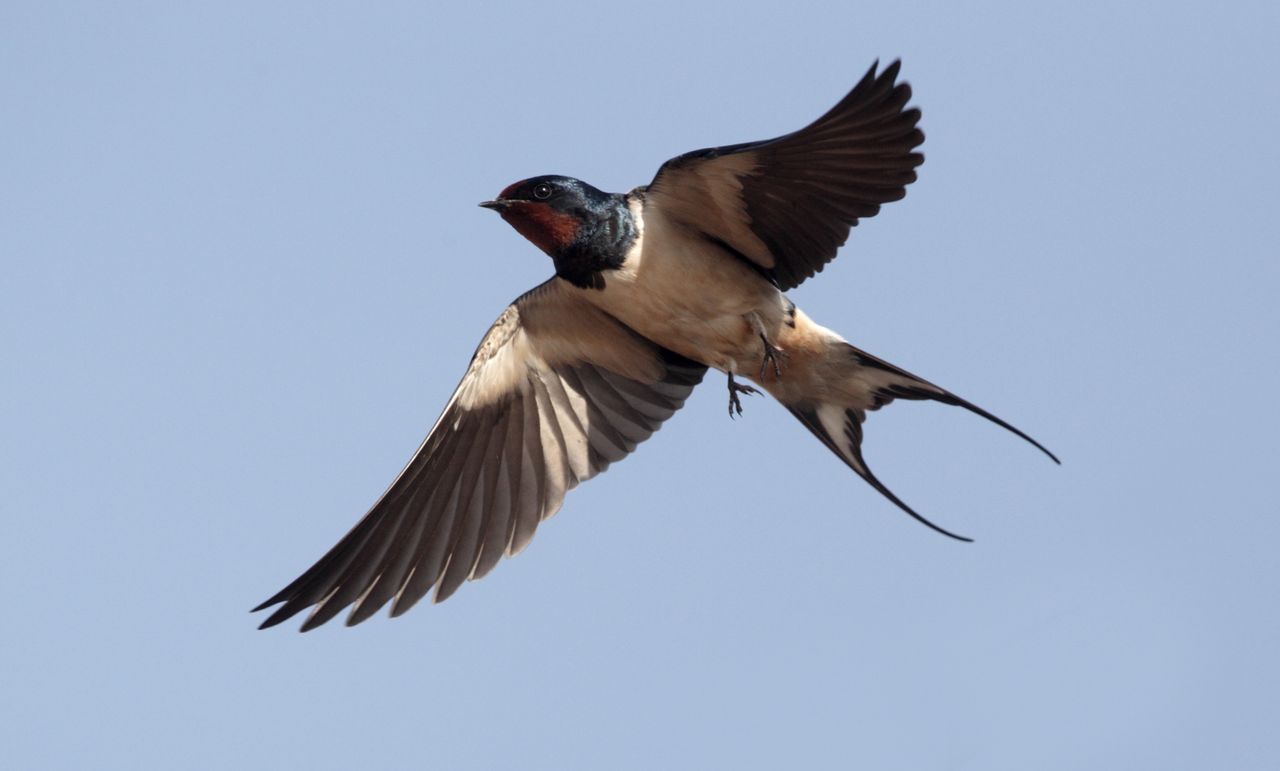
<point x="736" y="388"/>
<point x="772" y="355"/>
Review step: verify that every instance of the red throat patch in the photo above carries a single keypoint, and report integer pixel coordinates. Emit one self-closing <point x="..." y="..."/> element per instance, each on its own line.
<point x="548" y="229"/>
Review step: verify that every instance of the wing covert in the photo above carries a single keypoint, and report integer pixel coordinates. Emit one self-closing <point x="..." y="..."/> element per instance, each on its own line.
<point x="786" y="205"/>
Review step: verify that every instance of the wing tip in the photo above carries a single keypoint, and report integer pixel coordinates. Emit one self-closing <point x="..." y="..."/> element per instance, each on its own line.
<point x="266" y="604"/>
<point x="278" y="617"/>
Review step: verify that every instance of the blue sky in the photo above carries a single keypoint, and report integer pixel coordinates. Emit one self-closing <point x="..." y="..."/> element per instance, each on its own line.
<point x="244" y="269"/>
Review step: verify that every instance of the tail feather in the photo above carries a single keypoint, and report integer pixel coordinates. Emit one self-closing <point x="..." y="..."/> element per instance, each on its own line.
<point x="870" y="383"/>
<point x="904" y="385"/>
<point x="852" y="456"/>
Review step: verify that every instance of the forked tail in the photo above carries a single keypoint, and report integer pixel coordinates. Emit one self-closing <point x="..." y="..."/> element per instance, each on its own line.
<point x="856" y="382"/>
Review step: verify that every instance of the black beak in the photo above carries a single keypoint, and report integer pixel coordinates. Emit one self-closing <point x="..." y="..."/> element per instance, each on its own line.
<point x="497" y="204"/>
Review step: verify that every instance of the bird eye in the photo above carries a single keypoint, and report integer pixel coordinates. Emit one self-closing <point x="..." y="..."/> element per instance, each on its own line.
<point x="542" y="191"/>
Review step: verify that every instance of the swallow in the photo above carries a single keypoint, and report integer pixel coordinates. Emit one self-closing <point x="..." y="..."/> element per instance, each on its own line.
<point x="651" y="288"/>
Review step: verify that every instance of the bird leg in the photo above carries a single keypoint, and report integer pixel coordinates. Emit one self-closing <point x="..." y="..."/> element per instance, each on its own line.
<point x="734" y="389"/>
<point x="772" y="355"/>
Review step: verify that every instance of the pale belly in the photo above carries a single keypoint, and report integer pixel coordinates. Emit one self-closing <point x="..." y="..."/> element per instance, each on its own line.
<point x="694" y="299"/>
<point x="720" y="340"/>
<point x="710" y="306"/>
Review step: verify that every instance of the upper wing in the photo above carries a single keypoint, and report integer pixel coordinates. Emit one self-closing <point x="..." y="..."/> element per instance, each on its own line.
<point x="556" y="391"/>
<point x="787" y="204"/>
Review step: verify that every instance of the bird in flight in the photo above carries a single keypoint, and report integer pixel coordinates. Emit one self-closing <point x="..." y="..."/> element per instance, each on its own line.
<point x="651" y="288"/>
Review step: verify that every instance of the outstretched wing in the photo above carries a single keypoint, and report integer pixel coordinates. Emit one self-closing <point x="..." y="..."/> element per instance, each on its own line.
<point x="556" y="391"/>
<point x="786" y="205"/>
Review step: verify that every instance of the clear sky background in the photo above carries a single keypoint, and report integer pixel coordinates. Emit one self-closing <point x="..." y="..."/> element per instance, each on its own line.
<point x="243" y="270"/>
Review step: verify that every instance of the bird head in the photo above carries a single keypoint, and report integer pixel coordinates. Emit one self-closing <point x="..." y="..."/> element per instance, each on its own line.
<point x="585" y="231"/>
<point x="551" y="211"/>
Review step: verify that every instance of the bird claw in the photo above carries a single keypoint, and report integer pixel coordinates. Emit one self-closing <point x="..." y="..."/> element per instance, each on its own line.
<point x="772" y="355"/>
<point x="734" y="389"/>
